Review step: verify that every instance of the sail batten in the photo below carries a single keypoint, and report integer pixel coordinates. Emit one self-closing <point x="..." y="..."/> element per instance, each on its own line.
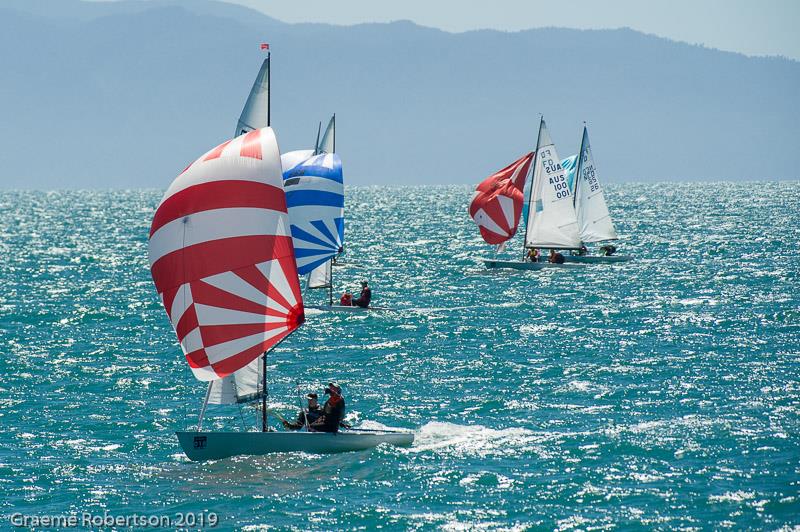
<point x="222" y="257"/>
<point x="551" y="219"/>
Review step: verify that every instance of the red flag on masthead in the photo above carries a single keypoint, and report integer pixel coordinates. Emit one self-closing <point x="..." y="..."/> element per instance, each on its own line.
<point x="264" y="46"/>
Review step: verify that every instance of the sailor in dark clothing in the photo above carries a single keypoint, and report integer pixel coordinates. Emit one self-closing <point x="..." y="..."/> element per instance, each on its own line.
<point x="365" y="297"/>
<point x="555" y="257"/>
<point x="332" y="412"/>
<point x="608" y="250"/>
<point x="306" y="416"/>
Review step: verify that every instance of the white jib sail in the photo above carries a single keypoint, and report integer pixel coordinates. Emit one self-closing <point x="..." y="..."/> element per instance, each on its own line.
<point x="256" y="109"/>
<point x="594" y="221"/>
<point x="242" y="386"/>
<point x="320" y="277"/>
<point x="328" y="142"/>
<point x="551" y="218"/>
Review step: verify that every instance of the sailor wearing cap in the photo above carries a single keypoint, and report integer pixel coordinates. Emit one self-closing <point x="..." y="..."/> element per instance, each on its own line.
<point x="333" y="412"/>
<point x="306" y="416"/>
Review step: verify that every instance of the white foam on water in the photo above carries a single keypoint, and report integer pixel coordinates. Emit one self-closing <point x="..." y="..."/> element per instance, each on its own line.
<point x="733" y="496"/>
<point x="472" y="440"/>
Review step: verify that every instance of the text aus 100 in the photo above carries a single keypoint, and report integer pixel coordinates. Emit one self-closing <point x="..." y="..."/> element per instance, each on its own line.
<point x="558" y="179"/>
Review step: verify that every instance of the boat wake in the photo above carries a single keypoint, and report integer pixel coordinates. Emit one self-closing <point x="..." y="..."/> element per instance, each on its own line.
<point x="474" y="440"/>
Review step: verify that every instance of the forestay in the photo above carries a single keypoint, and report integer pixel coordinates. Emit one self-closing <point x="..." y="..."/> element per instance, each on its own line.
<point x="255" y="114"/>
<point x="222" y="259"/>
<point x="315" y="198"/>
<point x="497" y="203"/>
<point x="551" y="220"/>
<point x="594" y="221"/>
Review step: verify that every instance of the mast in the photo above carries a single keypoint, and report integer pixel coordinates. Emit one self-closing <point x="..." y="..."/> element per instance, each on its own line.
<point x="330" y="282"/>
<point x="264" y="395"/>
<point x="334" y="132"/>
<point x="269" y="88"/>
<point x="530" y="191"/>
<point x="264" y="383"/>
<point x="330" y="290"/>
<point x="578" y="165"/>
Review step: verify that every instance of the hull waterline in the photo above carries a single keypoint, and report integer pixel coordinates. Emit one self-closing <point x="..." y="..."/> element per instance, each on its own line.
<point x="596" y="259"/>
<point x="353" y="309"/>
<point x="519" y="265"/>
<point x="206" y="445"/>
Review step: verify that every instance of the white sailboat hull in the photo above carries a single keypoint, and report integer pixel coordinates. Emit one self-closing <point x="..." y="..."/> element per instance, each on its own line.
<point x="200" y="446"/>
<point x="596" y="259"/>
<point x="519" y="265"/>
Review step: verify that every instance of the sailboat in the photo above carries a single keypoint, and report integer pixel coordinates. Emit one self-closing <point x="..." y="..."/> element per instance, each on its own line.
<point x="222" y="261"/>
<point x="551" y="221"/>
<point x="594" y="221"/>
<point x="314" y="187"/>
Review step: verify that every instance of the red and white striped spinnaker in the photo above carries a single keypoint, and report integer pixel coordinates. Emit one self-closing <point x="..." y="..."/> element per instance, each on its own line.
<point x="222" y="259"/>
<point x="497" y="204"/>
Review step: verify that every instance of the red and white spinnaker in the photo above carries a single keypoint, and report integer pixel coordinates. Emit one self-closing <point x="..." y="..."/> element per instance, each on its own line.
<point x="222" y="259"/>
<point x="497" y="204"/>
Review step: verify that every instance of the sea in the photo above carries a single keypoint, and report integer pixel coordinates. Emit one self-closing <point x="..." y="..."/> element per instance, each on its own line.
<point x="662" y="393"/>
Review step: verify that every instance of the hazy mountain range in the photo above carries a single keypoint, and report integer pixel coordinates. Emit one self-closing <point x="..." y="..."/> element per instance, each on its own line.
<point x="125" y="94"/>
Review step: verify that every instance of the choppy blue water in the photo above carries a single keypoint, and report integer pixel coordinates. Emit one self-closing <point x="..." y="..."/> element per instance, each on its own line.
<point x="661" y="393"/>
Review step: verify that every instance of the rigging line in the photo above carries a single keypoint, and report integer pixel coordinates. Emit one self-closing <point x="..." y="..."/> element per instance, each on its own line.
<point x="300" y="400"/>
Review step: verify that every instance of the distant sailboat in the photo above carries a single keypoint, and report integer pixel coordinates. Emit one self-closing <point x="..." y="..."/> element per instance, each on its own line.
<point x="551" y="221"/>
<point x="594" y="221"/>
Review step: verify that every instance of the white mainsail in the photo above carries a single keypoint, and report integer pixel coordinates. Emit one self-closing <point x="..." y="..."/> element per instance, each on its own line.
<point x="551" y="218"/>
<point x="255" y="114"/>
<point x="594" y="221"/>
<point x="328" y="142"/>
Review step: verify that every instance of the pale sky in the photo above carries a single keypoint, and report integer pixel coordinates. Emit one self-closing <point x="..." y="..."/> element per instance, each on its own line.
<point x="766" y="27"/>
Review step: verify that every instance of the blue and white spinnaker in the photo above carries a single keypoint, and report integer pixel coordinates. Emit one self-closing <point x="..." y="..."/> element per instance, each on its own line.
<point x="315" y="200"/>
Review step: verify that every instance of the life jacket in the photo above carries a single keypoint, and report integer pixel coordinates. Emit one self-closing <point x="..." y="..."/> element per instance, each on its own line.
<point x="346" y="300"/>
<point x="332" y="415"/>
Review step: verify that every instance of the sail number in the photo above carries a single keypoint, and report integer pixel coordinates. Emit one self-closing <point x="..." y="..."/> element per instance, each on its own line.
<point x="590" y="178"/>
<point x="557" y="179"/>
